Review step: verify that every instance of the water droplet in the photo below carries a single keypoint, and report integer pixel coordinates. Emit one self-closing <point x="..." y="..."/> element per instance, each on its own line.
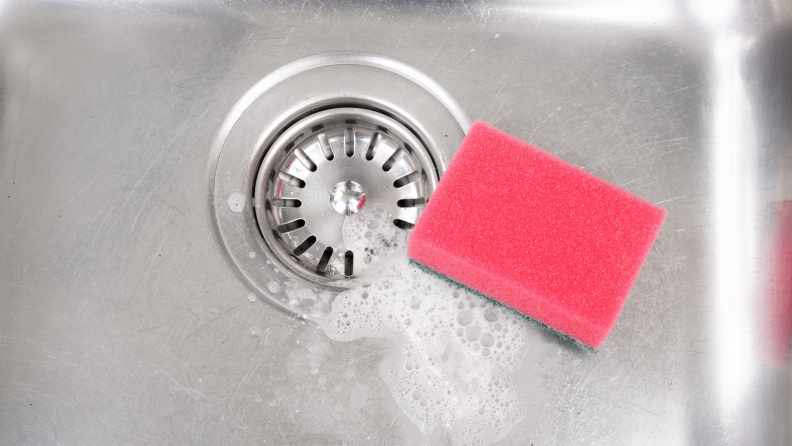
<point x="252" y="255"/>
<point x="417" y="395"/>
<point x="236" y="202"/>
<point x="251" y="297"/>
<point x="273" y="287"/>
<point x="255" y="331"/>
<point x="491" y="314"/>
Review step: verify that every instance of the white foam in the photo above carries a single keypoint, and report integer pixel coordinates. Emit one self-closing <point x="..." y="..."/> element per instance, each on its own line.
<point x="372" y="237"/>
<point x="457" y="356"/>
<point x="453" y="368"/>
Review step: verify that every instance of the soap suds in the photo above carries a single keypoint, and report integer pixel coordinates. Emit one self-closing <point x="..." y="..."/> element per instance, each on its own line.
<point x="452" y="369"/>
<point x="372" y="237"/>
<point x="457" y="351"/>
<point x="236" y="202"/>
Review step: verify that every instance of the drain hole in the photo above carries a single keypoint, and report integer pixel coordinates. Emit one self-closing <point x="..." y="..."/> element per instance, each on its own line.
<point x="304" y="159"/>
<point x="292" y="203"/>
<point x="304" y="246"/>
<point x="328" y="252"/>
<point x="403" y="224"/>
<point x="349" y="259"/>
<point x="328" y="152"/>
<point x="397" y="155"/>
<point x="291" y="180"/>
<point x="349" y="141"/>
<point x="291" y="226"/>
<point x="375" y="140"/>
<point x="410" y="202"/>
<point x="407" y="179"/>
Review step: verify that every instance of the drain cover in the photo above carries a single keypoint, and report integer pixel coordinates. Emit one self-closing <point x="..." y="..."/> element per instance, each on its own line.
<point x="325" y="169"/>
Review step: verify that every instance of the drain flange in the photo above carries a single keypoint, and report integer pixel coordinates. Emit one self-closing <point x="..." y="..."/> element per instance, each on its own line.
<point x="325" y="168"/>
<point x="317" y="144"/>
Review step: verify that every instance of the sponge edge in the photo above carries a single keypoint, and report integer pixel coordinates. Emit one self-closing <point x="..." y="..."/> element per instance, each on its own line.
<point x="536" y="234"/>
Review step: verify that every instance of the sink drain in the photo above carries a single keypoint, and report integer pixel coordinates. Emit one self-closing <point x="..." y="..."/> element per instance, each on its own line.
<point x="323" y="167"/>
<point x="326" y="168"/>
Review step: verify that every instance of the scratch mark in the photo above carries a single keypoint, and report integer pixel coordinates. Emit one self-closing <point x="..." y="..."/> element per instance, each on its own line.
<point x="672" y="199"/>
<point x="193" y="393"/>
<point x="287" y="39"/>
<point x="78" y="193"/>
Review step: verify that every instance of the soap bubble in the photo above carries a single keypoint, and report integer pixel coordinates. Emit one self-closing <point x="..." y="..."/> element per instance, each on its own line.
<point x="445" y="362"/>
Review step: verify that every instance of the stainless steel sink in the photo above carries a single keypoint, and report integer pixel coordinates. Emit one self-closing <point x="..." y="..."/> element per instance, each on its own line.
<point x="123" y="320"/>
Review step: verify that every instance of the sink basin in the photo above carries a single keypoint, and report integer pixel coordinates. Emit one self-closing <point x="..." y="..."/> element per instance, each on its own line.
<point x="123" y="319"/>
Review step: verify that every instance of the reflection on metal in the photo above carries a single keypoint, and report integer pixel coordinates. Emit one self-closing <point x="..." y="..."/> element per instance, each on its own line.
<point x="733" y="149"/>
<point x="619" y="12"/>
<point x="347" y="197"/>
<point x="132" y="270"/>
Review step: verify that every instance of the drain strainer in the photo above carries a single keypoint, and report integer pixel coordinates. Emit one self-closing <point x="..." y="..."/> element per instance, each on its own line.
<point x="323" y="167"/>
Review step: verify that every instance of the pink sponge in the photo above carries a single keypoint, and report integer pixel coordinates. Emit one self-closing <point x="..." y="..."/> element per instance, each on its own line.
<point x="536" y="234"/>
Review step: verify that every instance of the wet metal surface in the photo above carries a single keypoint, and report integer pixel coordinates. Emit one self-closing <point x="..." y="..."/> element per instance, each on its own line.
<point x="123" y="322"/>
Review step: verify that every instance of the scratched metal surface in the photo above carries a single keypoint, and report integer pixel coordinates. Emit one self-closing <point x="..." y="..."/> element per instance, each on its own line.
<point x="121" y="321"/>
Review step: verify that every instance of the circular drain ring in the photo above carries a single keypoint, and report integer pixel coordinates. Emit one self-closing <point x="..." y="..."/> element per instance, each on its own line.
<point x="317" y="164"/>
<point x="285" y="97"/>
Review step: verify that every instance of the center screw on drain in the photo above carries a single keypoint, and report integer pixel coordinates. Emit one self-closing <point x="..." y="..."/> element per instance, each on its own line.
<point x="347" y="197"/>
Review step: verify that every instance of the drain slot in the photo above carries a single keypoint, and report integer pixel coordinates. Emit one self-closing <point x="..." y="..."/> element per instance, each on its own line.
<point x="288" y="203"/>
<point x="349" y="259"/>
<point x="326" y="149"/>
<point x="328" y="252"/>
<point x="397" y="155"/>
<point x="407" y="179"/>
<point x="410" y="202"/>
<point x="298" y="152"/>
<point x="349" y="141"/>
<point x="304" y="246"/>
<point x="375" y="140"/>
<point x="401" y="224"/>
<point x="291" y="180"/>
<point x="291" y="226"/>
